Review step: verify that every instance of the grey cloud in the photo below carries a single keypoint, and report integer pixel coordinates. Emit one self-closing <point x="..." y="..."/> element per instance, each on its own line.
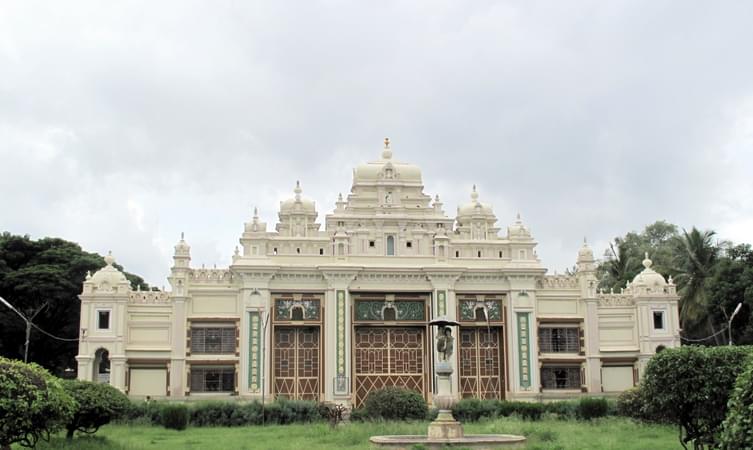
<point x="589" y="118"/>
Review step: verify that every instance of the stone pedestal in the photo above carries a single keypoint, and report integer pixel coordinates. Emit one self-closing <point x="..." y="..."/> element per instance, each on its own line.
<point x="445" y="427"/>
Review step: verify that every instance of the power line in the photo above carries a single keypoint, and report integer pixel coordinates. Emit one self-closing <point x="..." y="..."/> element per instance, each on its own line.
<point x="706" y="338"/>
<point x="53" y="336"/>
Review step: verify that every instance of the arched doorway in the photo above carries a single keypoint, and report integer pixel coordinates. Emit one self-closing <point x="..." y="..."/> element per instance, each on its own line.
<point x="102" y="366"/>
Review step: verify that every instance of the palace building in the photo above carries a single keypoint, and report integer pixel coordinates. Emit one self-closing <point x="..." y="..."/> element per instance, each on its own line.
<point x="334" y="314"/>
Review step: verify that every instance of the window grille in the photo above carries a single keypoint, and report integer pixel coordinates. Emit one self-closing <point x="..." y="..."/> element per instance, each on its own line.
<point x="559" y="340"/>
<point x="560" y="377"/>
<point x="212" y="379"/>
<point x="212" y="340"/>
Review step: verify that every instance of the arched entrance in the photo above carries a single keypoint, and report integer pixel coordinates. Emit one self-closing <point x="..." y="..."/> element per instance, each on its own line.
<point x="102" y="366"/>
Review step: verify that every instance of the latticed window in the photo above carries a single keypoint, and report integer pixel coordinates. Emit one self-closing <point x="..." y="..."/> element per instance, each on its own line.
<point x="560" y="377"/>
<point x="215" y="340"/>
<point x="212" y="379"/>
<point x="559" y="340"/>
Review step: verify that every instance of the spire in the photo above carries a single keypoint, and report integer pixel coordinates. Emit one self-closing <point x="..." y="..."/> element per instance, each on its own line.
<point x="647" y="262"/>
<point x="387" y="151"/>
<point x="109" y="259"/>
<point x="474" y="195"/>
<point x="298" y="191"/>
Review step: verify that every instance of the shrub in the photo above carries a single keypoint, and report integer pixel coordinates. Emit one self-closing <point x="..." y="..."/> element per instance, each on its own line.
<point x="737" y="430"/>
<point x="394" y="403"/>
<point x="290" y="411"/>
<point x="564" y="410"/>
<point x="174" y="416"/>
<point x="217" y="414"/>
<point x="359" y="414"/>
<point x="472" y="409"/>
<point x="98" y="404"/>
<point x="590" y="408"/>
<point x="33" y="403"/>
<point x="630" y="403"/>
<point x="529" y="410"/>
<point x="690" y="387"/>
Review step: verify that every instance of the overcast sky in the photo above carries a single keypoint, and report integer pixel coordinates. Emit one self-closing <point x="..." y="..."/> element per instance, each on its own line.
<point x="124" y="123"/>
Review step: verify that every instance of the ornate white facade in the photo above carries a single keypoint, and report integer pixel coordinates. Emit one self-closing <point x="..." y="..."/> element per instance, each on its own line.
<point x="333" y="314"/>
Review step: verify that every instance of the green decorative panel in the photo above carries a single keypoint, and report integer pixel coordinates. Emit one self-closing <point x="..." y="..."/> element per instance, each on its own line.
<point x="340" y="333"/>
<point x="468" y="309"/>
<point x="442" y="303"/>
<point x="341" y="384"/>
<point x="524" y="349"/>
<point x="404" y="310"/>
<point x="255" y="338"/>
<point x="284" y="307"/>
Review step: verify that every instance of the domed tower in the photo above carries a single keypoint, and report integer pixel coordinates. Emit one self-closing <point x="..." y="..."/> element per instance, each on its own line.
<point x="476" y="221"/>
<point x="521" y="242"/>
<point x="658" y="315"/>
<point x="104" y="300"/>
<point x="297" y="216"/>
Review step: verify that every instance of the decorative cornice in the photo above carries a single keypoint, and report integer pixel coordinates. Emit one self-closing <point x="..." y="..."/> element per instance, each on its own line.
<point x="149" y="297"/>
<point x="557" y="282"/>
<point x="607" y="300"/>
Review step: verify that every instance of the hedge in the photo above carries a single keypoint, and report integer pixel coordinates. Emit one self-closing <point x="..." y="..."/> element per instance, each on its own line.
<point x="395" y="403"/>
<point x="737" y="431"/>
<point x="229" y="413"/>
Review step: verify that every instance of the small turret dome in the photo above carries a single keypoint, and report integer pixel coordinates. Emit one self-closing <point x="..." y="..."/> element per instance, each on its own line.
<point x="518" y="230"/>
<point x="585" y="253"/>
<point x="474" y="207"/>
<point x="649" y="277"/>
<point x="297" y="203"/>
<point x="108" y="275"/>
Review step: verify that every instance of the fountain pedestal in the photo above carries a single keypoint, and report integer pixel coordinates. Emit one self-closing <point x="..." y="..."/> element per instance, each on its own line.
<point x="445" y="431"/>
<point x="444" y="426"/>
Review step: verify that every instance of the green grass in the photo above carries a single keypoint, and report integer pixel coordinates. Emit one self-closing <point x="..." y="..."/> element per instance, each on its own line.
<point x="550" y="434"/>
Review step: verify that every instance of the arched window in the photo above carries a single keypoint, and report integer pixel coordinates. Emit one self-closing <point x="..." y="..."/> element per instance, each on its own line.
<point x="389" y="314"/>
<point x="390" y="246"/>
<point x="102" y="366"/>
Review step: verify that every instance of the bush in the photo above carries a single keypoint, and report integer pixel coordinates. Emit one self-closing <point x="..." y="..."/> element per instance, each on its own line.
<point x="472" y="409"/>
<point x="290" y="411"/>
<point x="33" y="403"/>
<point x="564" y="410"/>
<point x="218" y="414"/>
<point x="631" y="404"/>
<point x="591" y="408"/>
<point x="174" y="416"/>
<point x="394" y="403"/>
<point x="690" y="386"/>
<point x="98" y="404"/>
<point x="737" y="430"/>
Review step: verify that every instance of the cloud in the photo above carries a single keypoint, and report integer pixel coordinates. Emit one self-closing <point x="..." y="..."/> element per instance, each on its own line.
<point x="122" y="125"/>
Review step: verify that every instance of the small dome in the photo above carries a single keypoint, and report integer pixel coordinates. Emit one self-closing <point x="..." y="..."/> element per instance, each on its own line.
<point x="517" y="230"/>
<point x="108" y="275"/>
<point x="182" y="248"/>
<point x="386" y="169"/>
<point x="475" y="207"/>
<point x="585" y="253"/>
<point x="297" y="203"/>
<point x="649" y="277"/>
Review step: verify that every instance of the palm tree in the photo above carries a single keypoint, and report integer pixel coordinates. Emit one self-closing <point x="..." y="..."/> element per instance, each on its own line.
<point x="695" y="256"/>
<point x="619" y="266"/>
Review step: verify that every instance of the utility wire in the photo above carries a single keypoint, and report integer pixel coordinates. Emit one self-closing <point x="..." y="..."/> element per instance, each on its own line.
<point x="707" y="337"/>
<point x="53" y="336"/>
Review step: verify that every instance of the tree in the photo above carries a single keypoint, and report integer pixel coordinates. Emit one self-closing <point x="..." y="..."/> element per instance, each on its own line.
<point x="730" y="283"/>
<point x="625" y="254"/>
<point x="45" y="275"/>
<point x="33" y="404"/>
<point x="694" y="257"/>
<point x="98" y="404"/>
<point x="690" y="386"/>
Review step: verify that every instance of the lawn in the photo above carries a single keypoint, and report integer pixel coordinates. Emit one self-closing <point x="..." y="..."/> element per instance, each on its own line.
<point x="608" y="433"/>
